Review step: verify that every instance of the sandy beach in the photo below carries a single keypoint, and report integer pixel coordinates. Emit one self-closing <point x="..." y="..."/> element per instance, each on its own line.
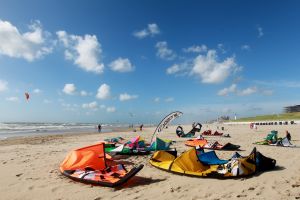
<point x="29" y="169"/>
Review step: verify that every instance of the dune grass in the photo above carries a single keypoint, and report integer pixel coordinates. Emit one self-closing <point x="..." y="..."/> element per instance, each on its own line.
<point x="282" y="117"/>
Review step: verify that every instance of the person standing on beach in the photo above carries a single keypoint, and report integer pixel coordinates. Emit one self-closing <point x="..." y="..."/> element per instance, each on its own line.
<point x="141" y="127"/>
<point x="288" y="135"/>
<point x="99" y="128"/>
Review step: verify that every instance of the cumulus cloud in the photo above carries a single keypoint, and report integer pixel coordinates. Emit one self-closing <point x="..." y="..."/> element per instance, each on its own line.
<point x="69" y="89"/>
<point x="111" y="109"/>
<point x="83" y="93"/>
<point x="37" y="91"/>
<point x="196" y="49"/>
<point x="245" y="47"/>
<point x="210" y="70"/>
<point x="164" y="52"/>
<point x="127" y="97"/>
<point x="103" y="92"/>
<point x="260" y="31"/>
<point x="226" y="91"/>
<point x="3" y="85"/>
<point x="84" y="51"/>
<point x="121" y="65"/>
<point x="12" y="99"/>
<point x="173" y="69"/>
<point x="247" y="91"/>
<point x="169" y="99"/>
<point x="30" y="45"/>
<point x="221" y="48"/>
<point x="93" y="105"/>
<point x="156" y="99"/>
<point x="151" y="30"/>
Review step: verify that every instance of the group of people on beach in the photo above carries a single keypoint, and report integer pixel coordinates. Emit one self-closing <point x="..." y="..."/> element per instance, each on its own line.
<point x="99" y="127"/>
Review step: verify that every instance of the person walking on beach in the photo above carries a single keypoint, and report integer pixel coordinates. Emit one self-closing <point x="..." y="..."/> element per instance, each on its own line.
<point x="99" y="128"/>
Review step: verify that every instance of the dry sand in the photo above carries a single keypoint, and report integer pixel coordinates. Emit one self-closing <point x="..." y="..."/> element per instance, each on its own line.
<point x="29" y="169"/>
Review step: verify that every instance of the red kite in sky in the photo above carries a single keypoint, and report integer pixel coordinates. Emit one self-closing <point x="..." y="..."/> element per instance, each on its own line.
<point x="27" y="96"/>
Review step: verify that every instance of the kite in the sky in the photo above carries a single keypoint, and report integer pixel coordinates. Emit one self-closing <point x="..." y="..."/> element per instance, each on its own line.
<point x="27" y="96"/>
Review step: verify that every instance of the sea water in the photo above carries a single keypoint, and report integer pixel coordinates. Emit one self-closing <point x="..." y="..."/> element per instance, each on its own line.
<point x="12" y="129"/>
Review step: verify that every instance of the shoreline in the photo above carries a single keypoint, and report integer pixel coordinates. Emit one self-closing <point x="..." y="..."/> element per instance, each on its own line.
<point x="42" y="138"/>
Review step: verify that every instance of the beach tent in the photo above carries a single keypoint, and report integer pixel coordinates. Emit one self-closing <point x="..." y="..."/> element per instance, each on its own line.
<point x="214" y="145"/>
<point x="191" y="133"/>
<point x="91" y="165"/>
<point x="189" y="164"/>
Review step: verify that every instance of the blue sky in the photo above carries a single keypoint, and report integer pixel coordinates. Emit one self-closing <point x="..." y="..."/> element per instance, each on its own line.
<point x="135" y="61"/>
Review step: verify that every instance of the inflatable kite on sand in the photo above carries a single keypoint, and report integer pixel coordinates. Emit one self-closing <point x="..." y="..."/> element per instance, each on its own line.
<point x="215" y="145"/>
<point x="137" y="146"/>
<point x="190" y="163"/>
<point x="191" y="133"/>
<point x="273" y="140"/>
<point x="91" y="165"/>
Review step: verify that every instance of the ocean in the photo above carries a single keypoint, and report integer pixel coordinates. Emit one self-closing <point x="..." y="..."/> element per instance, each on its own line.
<point x="12" y="129"/>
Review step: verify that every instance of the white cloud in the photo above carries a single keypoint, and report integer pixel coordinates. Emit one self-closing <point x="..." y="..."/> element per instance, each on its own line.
<point x="260" y="32"/>
<point x="226" y="91"/>
<point x="156" y="99"/>
<point x="127" y="97"/>
<point x="103" y="92"/>
<point x="245" y="47"/>
<point x="37" y="91"/>
<point x="83" y="93"/>
<point x="279" y="83"/>
<point x="69" y="89"/>
<point x="210" y="70"/>
<point x="196" y="49"/>
<point x="121" y="65"/>
<point x="12" y="99"/>
<point x="3" y="85"/>
<point x="164" y="52"/>
<point x="93" y="105"/>
<point x="70" y="107"/>
<point x="247" y="91"/>
<point x="84" y="50"/>
<point x="151" y="30"/>
<point x="30" y="45"/>
<point x="169" y="99"/>
<point x="173" y="69"/>
<point x="110" y="109"/>
<point x="221" y="48"/>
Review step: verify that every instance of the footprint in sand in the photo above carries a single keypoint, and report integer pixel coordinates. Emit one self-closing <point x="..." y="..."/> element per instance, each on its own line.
<point x="30" y="187"/>
<point x="251" y="188"/>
